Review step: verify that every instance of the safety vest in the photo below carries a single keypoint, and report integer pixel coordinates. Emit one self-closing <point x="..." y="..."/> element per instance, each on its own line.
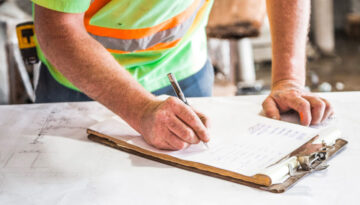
<point x="148" y="37"/>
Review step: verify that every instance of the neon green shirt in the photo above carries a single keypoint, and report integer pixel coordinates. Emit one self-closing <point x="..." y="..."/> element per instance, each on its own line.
<point x="178" y="46"/>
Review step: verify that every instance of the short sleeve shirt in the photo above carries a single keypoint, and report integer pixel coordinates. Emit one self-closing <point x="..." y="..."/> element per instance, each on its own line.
<point x="182" y="52"/>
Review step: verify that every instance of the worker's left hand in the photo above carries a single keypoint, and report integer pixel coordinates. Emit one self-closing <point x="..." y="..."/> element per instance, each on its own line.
<point x="288" y="95"/>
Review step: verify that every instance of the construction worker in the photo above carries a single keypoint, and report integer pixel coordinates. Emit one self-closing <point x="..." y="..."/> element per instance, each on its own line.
<point x="118" y="53"/>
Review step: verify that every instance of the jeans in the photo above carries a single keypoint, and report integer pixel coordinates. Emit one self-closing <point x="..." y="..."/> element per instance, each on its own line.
<point x="49" y="90"/>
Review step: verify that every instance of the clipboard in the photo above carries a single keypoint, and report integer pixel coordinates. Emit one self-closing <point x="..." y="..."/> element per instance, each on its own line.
<point x="306" y="164"/>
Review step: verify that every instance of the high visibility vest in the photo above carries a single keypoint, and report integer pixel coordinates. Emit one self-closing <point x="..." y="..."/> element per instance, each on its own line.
<point x="148" y="37"/>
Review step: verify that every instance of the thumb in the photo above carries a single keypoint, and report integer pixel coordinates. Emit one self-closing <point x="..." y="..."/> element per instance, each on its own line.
<point x="270" y="108"/>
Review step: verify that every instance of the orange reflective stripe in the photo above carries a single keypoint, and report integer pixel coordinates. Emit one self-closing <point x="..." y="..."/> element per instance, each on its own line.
<point x="158" y="46"/>
<point x="167" y="45"/>
<point x="134" y="33"/>
<point x="93" y="8"/>
<point x="199" y="16"/>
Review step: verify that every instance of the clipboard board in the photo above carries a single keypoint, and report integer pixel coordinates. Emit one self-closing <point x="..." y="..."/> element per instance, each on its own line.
<point x="258" y="181"/>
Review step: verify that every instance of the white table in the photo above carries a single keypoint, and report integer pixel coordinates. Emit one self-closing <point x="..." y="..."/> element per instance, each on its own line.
<point x="46" y="158"/>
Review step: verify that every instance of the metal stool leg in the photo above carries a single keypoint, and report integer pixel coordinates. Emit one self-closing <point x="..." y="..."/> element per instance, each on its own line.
<point x="246" y="69"/>
<point x="324" y="25"/>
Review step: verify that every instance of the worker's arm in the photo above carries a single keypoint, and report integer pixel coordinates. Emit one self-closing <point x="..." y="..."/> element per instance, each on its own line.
<point x="90" y="67"/>
<point x="289" y="22"/>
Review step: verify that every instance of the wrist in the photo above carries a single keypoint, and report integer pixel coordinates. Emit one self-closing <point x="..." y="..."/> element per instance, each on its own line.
<point x="143" y="111"/>
<point x="288" y="81"/>
<point x="132" y="107"/>
<point x="291" y="70"/>
<point x="287" y="84"/>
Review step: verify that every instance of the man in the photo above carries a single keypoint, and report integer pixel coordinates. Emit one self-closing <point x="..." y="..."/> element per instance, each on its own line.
<point x="117" y="52"/>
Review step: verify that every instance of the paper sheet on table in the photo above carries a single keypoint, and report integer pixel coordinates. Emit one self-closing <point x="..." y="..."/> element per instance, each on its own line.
<point x="241" y="140"/>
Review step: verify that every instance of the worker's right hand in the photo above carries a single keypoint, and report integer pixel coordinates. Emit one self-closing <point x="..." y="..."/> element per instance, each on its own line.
<point x="172" y="125"/>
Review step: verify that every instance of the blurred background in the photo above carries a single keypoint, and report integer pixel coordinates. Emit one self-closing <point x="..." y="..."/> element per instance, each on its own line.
<point x="239" y="46"/>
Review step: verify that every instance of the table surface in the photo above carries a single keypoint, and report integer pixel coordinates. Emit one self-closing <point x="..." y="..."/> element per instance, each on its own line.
<point x="46" y="158"/>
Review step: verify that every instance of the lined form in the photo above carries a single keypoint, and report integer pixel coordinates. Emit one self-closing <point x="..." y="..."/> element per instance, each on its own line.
<point x="241" y="141"/>
<point x="250" y="152"/>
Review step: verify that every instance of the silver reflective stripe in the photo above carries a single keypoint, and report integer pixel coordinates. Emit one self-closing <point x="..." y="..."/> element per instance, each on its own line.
<point x="165" y="36"/>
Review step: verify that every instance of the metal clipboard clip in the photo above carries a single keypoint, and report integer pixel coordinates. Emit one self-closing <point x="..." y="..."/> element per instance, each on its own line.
<point x="305" y="163"/>
<point x="315" y="161"/>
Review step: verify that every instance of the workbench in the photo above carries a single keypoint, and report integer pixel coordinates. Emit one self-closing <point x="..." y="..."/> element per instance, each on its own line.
<point x="46" y="158"/>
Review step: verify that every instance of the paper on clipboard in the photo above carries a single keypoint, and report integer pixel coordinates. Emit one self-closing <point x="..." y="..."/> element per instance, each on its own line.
<point x="241" y="142"/>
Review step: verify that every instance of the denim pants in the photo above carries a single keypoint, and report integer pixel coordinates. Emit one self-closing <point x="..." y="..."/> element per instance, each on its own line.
<point x="49" y="90"/>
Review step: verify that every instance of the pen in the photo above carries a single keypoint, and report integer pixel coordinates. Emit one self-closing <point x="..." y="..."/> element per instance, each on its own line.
<point x="175" y="85"/>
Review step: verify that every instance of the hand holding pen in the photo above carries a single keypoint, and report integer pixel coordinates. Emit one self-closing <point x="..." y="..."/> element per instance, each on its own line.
<point x="171" y="124"/>
<point x="181" y="96"/>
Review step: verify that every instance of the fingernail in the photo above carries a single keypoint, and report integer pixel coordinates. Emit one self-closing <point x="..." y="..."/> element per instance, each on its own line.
<point x="274" y="117"/>
<point x="207" y="137"/>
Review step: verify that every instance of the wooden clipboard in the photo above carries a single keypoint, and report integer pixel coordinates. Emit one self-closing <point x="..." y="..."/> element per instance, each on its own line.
<point x="259" y="181"/>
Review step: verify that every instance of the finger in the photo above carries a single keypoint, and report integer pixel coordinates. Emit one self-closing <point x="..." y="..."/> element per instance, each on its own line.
<point x="163" y="145"/>
<point x="182" y="131"/>
<point x="204" y="119"/>
<point x="270" y="108"/>
<point x="175" y="142"/>
<point x="317" y="108"/>
<point x="159" y="143"/>
<point x="189" y="117"/>
<point x="301" y="106"/>
<point x="329" y="111"/>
